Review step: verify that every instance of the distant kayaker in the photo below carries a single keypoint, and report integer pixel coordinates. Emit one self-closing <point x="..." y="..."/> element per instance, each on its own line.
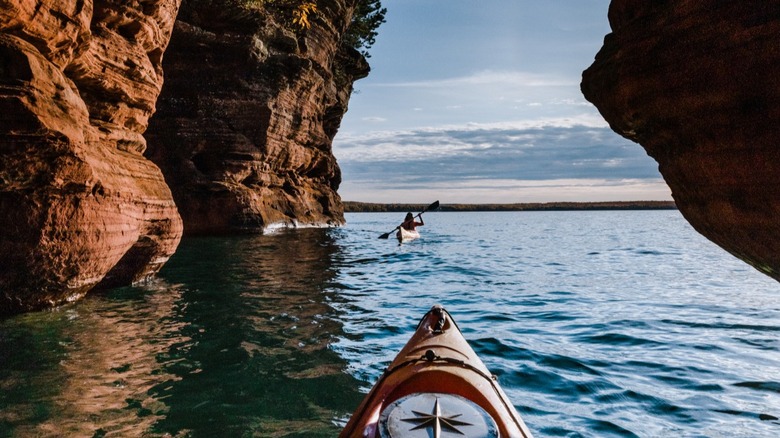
<point x="410" y="224"/>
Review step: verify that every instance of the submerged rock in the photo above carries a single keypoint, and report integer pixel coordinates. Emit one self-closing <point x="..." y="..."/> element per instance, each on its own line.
<point x="80" y="206"/>
<point x="248" y="113"/>
<point x="696" y="83"/>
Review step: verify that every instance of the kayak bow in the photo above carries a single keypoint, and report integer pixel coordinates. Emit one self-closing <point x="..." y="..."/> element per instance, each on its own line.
<point x="436" y="387"/>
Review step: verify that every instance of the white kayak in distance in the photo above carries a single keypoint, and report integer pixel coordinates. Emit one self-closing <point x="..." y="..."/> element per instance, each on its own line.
<point x="405" y="235"/>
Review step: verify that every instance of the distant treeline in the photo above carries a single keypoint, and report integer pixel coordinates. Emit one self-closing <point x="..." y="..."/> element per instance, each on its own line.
<point x="366" y="207"/>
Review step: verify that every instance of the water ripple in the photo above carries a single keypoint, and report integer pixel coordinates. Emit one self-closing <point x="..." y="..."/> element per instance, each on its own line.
<point x="597" y="324"/>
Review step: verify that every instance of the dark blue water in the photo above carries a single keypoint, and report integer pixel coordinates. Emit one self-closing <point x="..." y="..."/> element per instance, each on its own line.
<point x="596" y="324"/>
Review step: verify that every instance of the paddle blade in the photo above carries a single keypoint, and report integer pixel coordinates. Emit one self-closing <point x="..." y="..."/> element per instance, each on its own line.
<point x="384" y="236"/>
<point x="433" y="206"/>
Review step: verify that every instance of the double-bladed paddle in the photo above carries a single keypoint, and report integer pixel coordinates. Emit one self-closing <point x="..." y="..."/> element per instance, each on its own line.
<point x="433" y="206"/>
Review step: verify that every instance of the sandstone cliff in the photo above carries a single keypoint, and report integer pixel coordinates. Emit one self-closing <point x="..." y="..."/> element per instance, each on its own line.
<point x="248" y="113"/>
<point x="79" y="204"/>
<point x="243" y="134"/>
<point x="696" y="83"/>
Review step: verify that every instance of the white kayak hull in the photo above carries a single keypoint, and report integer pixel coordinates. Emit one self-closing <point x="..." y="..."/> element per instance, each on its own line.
<point x="405" y="235"/>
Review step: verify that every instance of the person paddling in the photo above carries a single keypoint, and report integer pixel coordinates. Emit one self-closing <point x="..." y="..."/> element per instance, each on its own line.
<point x="409" y="222"/>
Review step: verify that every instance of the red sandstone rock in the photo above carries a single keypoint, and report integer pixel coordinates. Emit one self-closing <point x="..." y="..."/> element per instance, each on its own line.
<point x="697" y="84"/>
<point x="246" y="119"/>
<point x="79" y="204"/>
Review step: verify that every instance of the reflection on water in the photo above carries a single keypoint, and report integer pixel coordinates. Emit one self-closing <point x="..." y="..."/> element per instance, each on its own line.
<point x="79" y="370"/>
<point x="232" y="340"/>
<point x="596" y="324"/>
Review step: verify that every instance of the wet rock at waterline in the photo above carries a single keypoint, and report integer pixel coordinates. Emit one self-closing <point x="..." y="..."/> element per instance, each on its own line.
<point x="248" y="114"/>
<point x="80" y="206"/>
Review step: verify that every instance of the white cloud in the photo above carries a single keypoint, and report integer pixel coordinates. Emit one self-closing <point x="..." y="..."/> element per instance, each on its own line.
<point x="509" y="79"/>
<point x="571" y="102"/>
<point x="439" y="142"/>
<point x="510" y="191"/>
<point x="449" y="127"/>
<point x="482" y="97"/>
<point x="569" y="158"/>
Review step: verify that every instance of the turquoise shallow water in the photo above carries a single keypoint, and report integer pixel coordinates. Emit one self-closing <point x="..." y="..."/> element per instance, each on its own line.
<point x="596" y="323"/>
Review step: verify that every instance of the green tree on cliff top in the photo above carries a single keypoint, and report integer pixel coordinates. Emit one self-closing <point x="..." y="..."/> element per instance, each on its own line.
<point x="298" y="15"/>
<point x="361" y="33"/>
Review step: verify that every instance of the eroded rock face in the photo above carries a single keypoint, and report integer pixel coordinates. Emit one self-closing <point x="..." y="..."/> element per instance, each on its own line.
<point x="697" y="84"/>
<point x="80" y="206"/>
<point x="247" y="116"/>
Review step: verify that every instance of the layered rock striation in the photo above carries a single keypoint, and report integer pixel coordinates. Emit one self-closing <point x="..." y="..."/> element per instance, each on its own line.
<point x="80" y="206"/>
<point x="246" y="119"/>
<point x="696" y="83"/>
<point x="243" y="133"/>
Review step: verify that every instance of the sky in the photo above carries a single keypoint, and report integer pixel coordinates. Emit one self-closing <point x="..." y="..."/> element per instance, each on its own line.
<point x="479" y="102"/>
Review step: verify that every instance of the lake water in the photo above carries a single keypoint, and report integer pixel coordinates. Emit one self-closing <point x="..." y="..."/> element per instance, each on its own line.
<point x="597" y="324"/>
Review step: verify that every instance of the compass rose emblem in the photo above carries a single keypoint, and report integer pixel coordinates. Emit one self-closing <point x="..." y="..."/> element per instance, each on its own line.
<point x="436" y="421"/>
<point x="435" y="415"/>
